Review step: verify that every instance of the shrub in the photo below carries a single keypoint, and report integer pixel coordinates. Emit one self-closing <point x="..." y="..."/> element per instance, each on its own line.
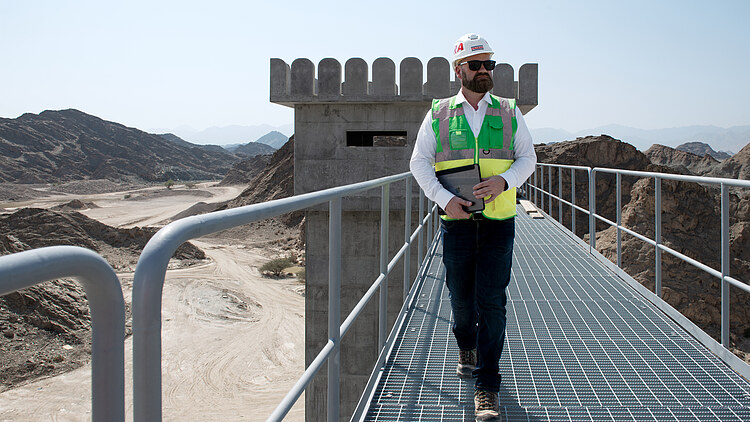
<point x="301" y="275"/>
<point x="169" y="183"/>
<point x="275" y="267"/>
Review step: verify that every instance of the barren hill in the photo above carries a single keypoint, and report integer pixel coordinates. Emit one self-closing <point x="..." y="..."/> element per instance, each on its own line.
<point x="680" y="160"/>
<point x="245" y="171"/>
<point x="275" y="181"/>
<point x="700" y="149"/>
<point x="736" y="167"/>
<point x="58" y="146"/>
<point x="253" y="149"/>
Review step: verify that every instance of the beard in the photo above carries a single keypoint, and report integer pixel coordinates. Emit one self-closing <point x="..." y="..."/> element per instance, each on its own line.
<point x="478" y="85"/>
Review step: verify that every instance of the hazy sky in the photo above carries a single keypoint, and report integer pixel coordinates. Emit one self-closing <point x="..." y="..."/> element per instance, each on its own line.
<point x="165" y="64"/>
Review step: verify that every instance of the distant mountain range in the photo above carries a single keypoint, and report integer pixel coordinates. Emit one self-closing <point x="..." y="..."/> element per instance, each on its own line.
<point x="235" y="134"/>
<point x="266" y="144"/>
<point x="729" y="140"/>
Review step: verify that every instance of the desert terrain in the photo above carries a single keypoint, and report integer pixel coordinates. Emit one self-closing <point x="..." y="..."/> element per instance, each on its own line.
<point x="232" y="340"/>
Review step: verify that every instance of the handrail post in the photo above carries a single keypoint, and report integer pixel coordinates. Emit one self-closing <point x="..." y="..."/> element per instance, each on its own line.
<point x="429" y="223"/>
<point x="592" y="210"/>
<point x="383" y="308"/>
<point x="334" y="307"/>
<point x="536" y="184"/>
<point x="657" y="234"/>
<point x="549" y="203"/>
<point x="541" y="188"/>
<point x="573" y="200"/>
<point x="435" y="225"/>
<point x="559" y="194"/>
<point x="725" y="267"/>
<point x="619" y="221"/>
<point x="407" y="239"/>
<point x="420" y="241"/>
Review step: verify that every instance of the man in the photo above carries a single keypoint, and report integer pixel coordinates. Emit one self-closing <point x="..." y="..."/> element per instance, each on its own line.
<point x="475" y="127"/>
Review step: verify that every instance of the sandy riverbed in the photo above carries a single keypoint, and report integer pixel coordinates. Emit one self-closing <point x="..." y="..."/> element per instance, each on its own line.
<point x="232" y="341"/>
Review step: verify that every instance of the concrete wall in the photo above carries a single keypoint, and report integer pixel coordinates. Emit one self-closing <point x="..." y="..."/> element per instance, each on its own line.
<point x="322" y="158"/>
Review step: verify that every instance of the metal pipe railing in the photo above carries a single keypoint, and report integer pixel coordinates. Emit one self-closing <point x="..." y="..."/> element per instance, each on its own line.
<point x="104" y="293"/>
<point x="723" y="275"/>
<point x="151" y="268"/>
<point x="560" y="199"/>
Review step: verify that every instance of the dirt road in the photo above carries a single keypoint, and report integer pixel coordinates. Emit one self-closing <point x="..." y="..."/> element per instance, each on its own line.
<point x="232" y="341"/>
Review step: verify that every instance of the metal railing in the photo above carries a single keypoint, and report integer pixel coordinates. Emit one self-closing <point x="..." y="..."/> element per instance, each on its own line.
<point x="152" y="265"/>
<point x="104" y="293"/>
<point x="723" y="275"/>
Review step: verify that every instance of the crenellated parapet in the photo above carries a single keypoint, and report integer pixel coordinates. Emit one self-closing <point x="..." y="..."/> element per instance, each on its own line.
<point x="299" y="84"/>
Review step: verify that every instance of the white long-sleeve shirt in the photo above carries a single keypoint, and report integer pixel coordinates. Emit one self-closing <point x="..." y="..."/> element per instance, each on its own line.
<point x="423" y="157"/>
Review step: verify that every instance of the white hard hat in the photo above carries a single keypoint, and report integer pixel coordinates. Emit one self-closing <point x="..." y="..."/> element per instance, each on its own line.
<point x="469" y="45"/>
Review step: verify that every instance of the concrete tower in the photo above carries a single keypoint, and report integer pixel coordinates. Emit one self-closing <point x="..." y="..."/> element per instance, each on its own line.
<point x="348" y="132"/>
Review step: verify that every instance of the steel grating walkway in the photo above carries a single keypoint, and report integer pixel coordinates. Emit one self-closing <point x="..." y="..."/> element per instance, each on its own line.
<point x="581" y="345"/>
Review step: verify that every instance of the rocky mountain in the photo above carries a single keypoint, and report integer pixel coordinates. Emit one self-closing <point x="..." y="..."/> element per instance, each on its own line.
<point x="274" y="138"/>
<point x="276" y="180"/>
<point x="736" y="167"/>
<point x="690" y="224"/>
<point x="252" y="149"/>
<point x="701" y="149"/>
<point x="177" y="140"/>
<point x="246" y="170"/>
<point x="58" y="146"/>
<point x="592" y="151"/>
<point x="45" y="329"/>
<point x="682" y="161"/>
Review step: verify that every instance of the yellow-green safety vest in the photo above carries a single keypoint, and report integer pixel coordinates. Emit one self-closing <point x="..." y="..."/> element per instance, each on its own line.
<point x="492" y="150"/>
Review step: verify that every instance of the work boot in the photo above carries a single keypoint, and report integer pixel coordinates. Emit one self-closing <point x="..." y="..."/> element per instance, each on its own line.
<point x="467" y="362"/>
<point x="486" y="406"/>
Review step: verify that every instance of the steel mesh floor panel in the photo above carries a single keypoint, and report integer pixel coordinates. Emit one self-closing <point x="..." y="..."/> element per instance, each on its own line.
<point x="581" y="345"/>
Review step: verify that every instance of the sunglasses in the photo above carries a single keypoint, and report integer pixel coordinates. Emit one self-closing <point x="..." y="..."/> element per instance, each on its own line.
<point x="477" y="64"/>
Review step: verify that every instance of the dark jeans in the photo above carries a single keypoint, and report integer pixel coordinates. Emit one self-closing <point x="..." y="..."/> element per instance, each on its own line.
<point x="477" y="255"/>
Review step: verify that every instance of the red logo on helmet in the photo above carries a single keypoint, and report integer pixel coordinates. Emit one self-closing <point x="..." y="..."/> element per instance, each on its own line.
<point x="459" y="47"/>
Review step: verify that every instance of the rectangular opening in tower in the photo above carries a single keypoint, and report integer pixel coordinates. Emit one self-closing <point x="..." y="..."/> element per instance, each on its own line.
<point x="376" y="138"/>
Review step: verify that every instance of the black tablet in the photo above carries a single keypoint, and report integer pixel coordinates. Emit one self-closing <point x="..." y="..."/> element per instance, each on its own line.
<point x="460" y="181"/>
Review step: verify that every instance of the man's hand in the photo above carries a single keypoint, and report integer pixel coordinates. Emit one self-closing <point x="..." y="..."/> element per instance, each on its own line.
<point x="492" y="187"/>
<point x="455" y="209"/>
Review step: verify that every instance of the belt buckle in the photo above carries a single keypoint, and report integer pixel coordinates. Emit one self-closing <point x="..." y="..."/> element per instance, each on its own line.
<point x="476" y="216"/>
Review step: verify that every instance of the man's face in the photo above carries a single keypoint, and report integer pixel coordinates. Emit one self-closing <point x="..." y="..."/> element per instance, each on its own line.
<point x="479" y="81"/>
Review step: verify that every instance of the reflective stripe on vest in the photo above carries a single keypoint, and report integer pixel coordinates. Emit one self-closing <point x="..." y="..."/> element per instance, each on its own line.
<point x="493" y="149"/>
